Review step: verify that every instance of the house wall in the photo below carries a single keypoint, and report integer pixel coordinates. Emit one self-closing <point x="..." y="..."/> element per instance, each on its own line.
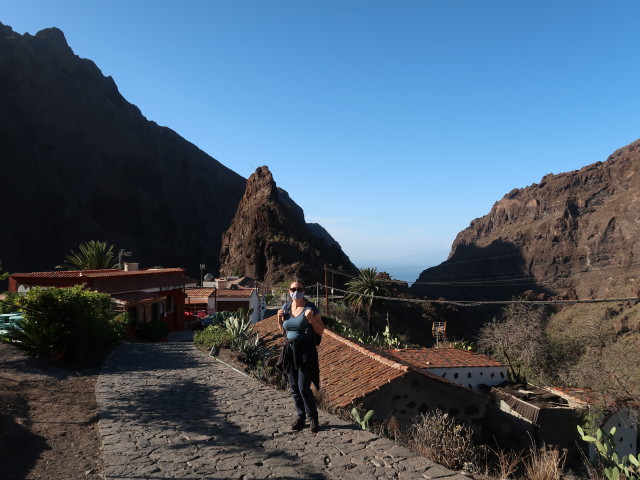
<point x="413" y="394"/>
<point x="472" y="377"/>
<point x="224" y="305"/>
<point x="233" y="304"/>
<point x="553" y="427"/>
<point x="174" y="319"/>
<point x="625" y="436"/>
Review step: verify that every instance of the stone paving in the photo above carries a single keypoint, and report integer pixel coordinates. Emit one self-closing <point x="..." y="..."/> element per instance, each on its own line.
<point x="169" y="411"/>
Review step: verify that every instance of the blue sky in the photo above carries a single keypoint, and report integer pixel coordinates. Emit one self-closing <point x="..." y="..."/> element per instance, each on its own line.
<point x="391" y="123"/>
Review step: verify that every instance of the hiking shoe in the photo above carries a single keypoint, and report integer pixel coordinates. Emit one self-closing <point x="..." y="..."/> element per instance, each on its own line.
<point x="313" y="425"/>
<point x="298" y="424"/>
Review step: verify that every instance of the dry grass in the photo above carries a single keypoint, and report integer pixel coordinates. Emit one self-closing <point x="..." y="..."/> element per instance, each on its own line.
<point x="545" y="463"/>
<point x="507" y="462"/>
<point x="440" y="438"/>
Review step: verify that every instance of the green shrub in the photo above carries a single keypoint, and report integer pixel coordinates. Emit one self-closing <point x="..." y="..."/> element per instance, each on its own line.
<point x="152" y="331"/>
<point x="9" y="305"/>
<point x="65" y="322"/>
<point x="213" y="336"/>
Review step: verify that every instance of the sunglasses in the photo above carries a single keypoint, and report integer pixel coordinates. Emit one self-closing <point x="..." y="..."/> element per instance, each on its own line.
<point x="296" y="289"/>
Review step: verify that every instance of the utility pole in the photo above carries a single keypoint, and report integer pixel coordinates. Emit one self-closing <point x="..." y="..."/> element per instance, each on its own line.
<point x="332" y="285"/>
<point x="326" y="290"/>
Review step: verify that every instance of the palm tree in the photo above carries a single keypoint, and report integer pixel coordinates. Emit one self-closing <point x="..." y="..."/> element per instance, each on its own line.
<point x="92" y="255"/>
<point x="363" y="289"/>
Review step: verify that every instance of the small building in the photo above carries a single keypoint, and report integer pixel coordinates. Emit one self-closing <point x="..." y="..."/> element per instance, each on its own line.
<point x="235" y="298"/>
<point x="200" y="300"/>
<point x="626" y="427"/>
<point x="351" y="374"/>
<point x="459" y="366"/>
<point x="155" y="294"/>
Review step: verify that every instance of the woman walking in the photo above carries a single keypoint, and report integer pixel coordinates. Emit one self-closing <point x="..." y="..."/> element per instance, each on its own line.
<point x="301" y="322"/>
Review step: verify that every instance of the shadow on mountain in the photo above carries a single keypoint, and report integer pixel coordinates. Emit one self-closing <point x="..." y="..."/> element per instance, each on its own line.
<point x="493" y="273"/>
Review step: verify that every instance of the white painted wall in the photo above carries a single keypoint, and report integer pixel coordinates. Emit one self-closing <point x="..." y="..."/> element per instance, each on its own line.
<point x="472" y="377"/>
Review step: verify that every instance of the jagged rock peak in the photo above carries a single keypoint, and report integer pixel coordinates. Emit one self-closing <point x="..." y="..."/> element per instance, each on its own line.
<point x="261" y="186"/>
<point x="269" y="240"/>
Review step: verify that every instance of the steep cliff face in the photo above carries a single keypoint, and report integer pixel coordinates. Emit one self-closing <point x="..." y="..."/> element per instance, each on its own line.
<point x="269" y="239"/>
<point x="573" y="235"/>
<point x="78" y="162"/>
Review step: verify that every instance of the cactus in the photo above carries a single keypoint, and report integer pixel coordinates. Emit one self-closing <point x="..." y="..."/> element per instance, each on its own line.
<point x="364" y="421"/>
<point x="612" y="464"/>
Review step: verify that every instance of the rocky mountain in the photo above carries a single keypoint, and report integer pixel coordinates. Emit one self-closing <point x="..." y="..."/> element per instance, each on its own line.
<point x="269" y="239"/>
<point x="573" y="235"/>
<point x="79" y="162"/>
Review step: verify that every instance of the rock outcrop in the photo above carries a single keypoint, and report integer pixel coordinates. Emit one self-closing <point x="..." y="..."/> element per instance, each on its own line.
<point x="573" y="235"/>
<point x="269" y="239"/>
<point x="78" y="162"/>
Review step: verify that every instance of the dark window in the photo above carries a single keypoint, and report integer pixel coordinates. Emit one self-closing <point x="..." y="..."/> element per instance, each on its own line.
<point x="168" y="307"/>
<point x="469" y="375"/>
<point x="455" y="375"/>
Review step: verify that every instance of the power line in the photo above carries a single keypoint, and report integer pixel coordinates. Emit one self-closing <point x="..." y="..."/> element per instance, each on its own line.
<point x="472" y="303"/>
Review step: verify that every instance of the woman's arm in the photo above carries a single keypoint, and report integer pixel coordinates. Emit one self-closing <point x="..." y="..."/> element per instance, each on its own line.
<point x="281" y="320"/>
<point x="316" y="321"/>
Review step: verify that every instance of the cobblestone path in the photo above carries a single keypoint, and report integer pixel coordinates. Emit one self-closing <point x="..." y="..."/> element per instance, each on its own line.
<point x="169" y="411"/>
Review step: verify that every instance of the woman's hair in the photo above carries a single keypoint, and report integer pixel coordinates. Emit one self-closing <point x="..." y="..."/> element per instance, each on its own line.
<point x="297" y="280"/>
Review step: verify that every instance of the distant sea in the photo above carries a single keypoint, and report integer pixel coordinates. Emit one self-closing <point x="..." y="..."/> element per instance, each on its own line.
<point x="406" y="274"/>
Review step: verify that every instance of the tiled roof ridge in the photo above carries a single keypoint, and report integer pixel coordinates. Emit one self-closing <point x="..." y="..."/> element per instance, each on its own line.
<point x="124" y="273"/>
<point x="96" y="273"/>
<point x="367" y="352"/>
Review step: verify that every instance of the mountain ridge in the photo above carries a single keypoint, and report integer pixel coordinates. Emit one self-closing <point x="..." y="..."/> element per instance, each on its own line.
<point x="571" y="236"/>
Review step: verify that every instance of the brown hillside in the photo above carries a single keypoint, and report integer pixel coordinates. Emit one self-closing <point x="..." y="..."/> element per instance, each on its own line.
<point x="573" y="235"/>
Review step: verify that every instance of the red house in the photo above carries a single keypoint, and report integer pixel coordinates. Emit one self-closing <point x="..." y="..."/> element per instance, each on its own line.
<point x="155" y="294"/>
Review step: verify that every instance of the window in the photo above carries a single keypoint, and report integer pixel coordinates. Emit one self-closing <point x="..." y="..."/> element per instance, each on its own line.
<point x="169" y="305"/>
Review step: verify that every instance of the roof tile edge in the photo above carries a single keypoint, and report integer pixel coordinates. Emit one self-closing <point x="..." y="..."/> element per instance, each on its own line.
<point x="365" y="351"/>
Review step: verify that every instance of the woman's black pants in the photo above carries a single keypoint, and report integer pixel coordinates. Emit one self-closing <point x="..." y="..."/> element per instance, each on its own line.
<point x="305" y="402"/>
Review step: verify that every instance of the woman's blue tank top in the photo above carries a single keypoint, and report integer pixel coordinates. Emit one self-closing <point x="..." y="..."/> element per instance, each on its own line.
<point x="298" y="328"/>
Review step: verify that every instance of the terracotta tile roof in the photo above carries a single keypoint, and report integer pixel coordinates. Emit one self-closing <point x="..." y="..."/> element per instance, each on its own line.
<point x="199" y="292"/>
<point x="428" y="358"/>
<point x="582" y="397"/>
<point x="62" y="273"/>
<point x="112" y="281"/>
<point x="140" y="280"/>
<point x="136" y="297"/>
<point x="234" y="293"/>
<point x="348" y="371"/>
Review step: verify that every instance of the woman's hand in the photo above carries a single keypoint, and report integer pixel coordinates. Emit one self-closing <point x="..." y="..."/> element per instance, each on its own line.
<point x="315" y="320"/>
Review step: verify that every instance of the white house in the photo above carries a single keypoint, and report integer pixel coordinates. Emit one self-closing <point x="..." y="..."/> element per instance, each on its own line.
<point x="458" y="366"/>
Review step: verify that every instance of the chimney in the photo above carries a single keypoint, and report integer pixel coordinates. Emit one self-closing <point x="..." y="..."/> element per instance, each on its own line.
<point x="130" y="267"/>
